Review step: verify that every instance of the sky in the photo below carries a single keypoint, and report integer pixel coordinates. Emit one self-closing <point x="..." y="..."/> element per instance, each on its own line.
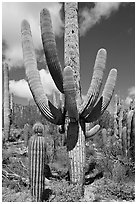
<point x="109" y="25"/>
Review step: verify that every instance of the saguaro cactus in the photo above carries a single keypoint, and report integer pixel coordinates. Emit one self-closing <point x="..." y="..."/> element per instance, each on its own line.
<point x="6" y="102"/>
<point x="68" y="83"/>
<point x="36" y="152"/>
<point x="123" y="134"/>
<point x="26" y="134"/>
<point x="11" y="108"/>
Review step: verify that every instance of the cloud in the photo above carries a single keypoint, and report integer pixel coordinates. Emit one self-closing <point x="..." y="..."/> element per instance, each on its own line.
<point x="131" y="91"/>
<point x="91" y="16"/>
<point x="128" y="100"/>
<point x="12" y="15"/>
<point x="21" y="89"/>
<point x="131" y="95"/>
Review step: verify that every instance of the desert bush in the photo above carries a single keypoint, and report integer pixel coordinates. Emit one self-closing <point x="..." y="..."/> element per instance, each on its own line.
<point x="65" y="192"/>
<point x="15" y="134"/>
<point x="118" y="172"/>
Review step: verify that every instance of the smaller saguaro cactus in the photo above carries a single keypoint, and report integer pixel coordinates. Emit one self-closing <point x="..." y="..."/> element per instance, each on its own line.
<point x="123" y="134"/>
<point x="36" y="154"/>
<point x="120" y="118"/>
<point x="104" y="135"/>
<point x="115" y="116"/>
<point x="124" y="141"/>
<point x="26" y="134"/>
<point x="129" y="120"/>
<point x="6" y="102"/>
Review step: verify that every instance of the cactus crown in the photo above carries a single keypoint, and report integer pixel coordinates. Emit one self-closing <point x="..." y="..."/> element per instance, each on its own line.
<point x="38" y="129"/>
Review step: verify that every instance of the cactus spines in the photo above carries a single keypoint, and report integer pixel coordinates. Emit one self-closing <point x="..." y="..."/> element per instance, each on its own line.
<point x="36" y="152"/>
<point x="6" y="102"/>
<point x="68" y="83"/>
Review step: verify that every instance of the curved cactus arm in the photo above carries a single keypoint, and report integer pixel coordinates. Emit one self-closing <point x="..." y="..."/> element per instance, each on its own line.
<point x="70" y="93"/>
<point x="104" y="101"/>
<point x="33" y="76"/>
<point x="95" y="113"/>
<point x="92" y="131"/>
<point x="109" y="89"/>
<point x="72" y="135"/>
<point x="96" y="83"/>
<point x="49" y="44"/>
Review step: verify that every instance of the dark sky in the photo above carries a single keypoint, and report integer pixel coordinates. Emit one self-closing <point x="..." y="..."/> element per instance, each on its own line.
<point x="117" y="35"/>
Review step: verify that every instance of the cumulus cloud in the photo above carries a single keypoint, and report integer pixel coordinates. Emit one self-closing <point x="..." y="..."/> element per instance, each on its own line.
<point x="12" y="15"/>
<point x="131" y="95"/>
<point x="21" y="89"/>
<point x="131" y="91"/>
<point x="128" y="100"/>
<point x="91" y="16"/>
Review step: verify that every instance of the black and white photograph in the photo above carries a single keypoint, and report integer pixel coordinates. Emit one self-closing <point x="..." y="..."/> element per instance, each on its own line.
<point x="68" y="101"/>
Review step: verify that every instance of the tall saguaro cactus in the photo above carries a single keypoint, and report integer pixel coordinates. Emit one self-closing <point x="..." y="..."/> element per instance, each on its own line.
<point x="68" y="83"/>
<point x="6" y="102"/>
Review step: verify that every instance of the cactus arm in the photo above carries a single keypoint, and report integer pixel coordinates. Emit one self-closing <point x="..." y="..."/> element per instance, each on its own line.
<point x="70" y="92"/>
<point x="104" y="101"/>
<point x="95" y="113"/>
<point x="92" y="131"/>
<point x="72" y="135"/>
<point x="109" y="89"/>
<point x="57" y="112"/>
<point x="49" y="44"/>
<point x="96" y="83"/>
<point x="33" y="76"/>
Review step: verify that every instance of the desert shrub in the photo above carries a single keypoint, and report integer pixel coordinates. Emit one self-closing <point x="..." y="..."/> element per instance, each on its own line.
<point x="119" y="172"/>
<point x="15" y="134"/>
<point x="107" y="190"/>
<point x="106" y="120"/>
<point x="65" y="192"/>
<point x="122" y="190"/>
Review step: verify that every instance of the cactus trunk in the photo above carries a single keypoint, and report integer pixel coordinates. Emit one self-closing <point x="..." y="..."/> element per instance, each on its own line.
<point x="77" y="159"/>
<point x="6" y="102"/>
<point x="71" y="41"/>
